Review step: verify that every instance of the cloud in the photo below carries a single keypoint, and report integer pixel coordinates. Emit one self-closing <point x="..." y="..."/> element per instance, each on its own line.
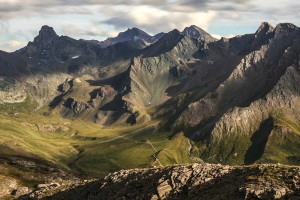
<point x="12" y="45"/>
<point x="216" y="36"/>
<point x="71" y="29"/>
<point x="219" y="36"/>
<point x="37" y="5"/>
<point x="94" y="31"/>
<point x="58" y="10"/>
<point x="4" y="25"/>
<point x="15" y="8"/>
<point x="10" y="4"/>
<point x="10" y="8"/>
<point x="156" y="20"/>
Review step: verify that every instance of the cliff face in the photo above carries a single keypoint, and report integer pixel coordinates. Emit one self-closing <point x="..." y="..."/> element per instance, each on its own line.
<point x="253" y="105"/>
<point x="162" y="65"/>
<point x="197" y="181"/>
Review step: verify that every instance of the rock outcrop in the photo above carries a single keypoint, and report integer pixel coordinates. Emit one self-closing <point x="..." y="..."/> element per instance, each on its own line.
<point x="19" y="174"/>
<point x="196" y="181"/>
<point x="11" y="91"/>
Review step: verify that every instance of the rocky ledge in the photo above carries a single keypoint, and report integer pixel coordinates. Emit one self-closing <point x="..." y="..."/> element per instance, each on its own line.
<point x="196" y="181"/>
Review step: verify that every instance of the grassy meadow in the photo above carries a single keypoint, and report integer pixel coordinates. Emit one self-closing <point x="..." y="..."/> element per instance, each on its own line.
<point x="84" y="146"/>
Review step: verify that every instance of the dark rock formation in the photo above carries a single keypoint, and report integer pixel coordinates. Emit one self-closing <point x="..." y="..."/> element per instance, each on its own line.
<point x="12" y="65"/>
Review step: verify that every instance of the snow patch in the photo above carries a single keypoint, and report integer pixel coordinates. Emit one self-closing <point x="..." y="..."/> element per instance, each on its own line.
<point x="74" y="57"/>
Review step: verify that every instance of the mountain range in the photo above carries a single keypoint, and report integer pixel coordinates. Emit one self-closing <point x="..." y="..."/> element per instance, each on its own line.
<point x="138" y="100"/>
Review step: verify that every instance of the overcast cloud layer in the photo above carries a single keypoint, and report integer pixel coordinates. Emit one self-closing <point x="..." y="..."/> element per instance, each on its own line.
<point x="20" y="21"/>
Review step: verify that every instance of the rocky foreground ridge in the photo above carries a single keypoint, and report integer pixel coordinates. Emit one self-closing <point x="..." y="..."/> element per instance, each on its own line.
<point x="195" y="181"/>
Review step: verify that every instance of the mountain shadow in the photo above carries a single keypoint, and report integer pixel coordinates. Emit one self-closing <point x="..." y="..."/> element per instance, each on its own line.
<point x="259" y="141"/>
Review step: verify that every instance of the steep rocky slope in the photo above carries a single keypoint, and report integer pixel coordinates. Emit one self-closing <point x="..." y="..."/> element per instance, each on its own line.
<point x="19" y="174"/>
<point x="197" y="181"/>
<point x="161" y="66"/>
<point x="262" y="88"/>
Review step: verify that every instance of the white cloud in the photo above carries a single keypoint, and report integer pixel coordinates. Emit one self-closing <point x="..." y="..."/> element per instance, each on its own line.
<point x="216" y="36"/>
<point x="12" y="45"/>
<point x="95" y="31"/>
<point x="112" y="33"/>
<point x="219" y="36"/>
<point x="70" y="29"/>
<point x="146" y="15"/>
<point x="156" y="20"/>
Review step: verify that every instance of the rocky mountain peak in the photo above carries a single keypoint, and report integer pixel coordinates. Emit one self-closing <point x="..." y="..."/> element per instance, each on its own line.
<point x="131" y="34"/>
<point x="164" y="44"/>
<point x="194" y="31"/>
<point x="193" y="28"/>
<point x="265" y="28"/>
<point x="286" y="27"/>
<point x="263" y="34"/>
<point x="159" y="35"/>
<point x="174" y="32"/>
<point x="47" y="31"/>
<point x="171" y="37"/>
<point x="45" y="37"/>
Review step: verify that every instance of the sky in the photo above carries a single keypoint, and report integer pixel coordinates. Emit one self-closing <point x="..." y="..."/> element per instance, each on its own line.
<point x="21" y="20"/>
